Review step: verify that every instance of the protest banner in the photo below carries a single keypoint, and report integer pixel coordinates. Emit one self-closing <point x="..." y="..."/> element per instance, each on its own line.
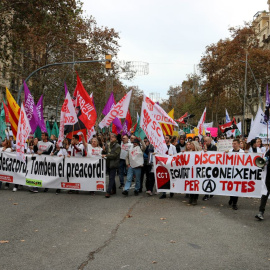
<point x="224" y="145"/>
<point x="86" y="174"/>
<point x="213" y="173"/>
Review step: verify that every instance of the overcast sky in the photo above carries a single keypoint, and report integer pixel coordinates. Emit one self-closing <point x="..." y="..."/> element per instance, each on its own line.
<point x="170" y="35"/>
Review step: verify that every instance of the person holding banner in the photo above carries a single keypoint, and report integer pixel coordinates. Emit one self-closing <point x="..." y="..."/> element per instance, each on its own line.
<point x="193" y="198"/>
<point x="112" y="154"/>
<point x="45" y="147"/>
<point x="260" y="145"/>
<point x="93" y="149"/>
<point x="171" y="151"/>
<point x="208" y="146"/>
<point x="145" y="168"/>
<point x="253" y="147"/>
<point x="6" y="147"/>
<point x="134" y="162"/>
<point x="236" y="148"/>
<point x="76" y="149"/>
<point x="150" y="181"/>
<point x="125" y="146"/>
<point x="181" y="146"/>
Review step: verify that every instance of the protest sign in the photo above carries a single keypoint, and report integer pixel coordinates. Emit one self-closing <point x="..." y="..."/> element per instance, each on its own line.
<point x="213" y="173"/>
<point x="42" y="171"/>
<point x="224" y="145"/>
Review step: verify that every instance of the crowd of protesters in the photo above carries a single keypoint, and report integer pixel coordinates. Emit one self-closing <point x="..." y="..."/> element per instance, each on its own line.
<point x="131" y="157"/>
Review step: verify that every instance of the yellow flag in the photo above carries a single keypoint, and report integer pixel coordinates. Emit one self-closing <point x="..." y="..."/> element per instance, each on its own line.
<point x="166" y="128"/>
<point x="196" y="131"/>
<point x="14" y="112"/>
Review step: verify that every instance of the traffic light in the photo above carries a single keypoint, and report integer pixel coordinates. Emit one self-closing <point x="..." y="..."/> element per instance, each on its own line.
<point x="108" y="63"/>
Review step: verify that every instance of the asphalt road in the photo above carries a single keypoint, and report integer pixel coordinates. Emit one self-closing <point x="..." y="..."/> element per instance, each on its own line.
<point x="82" y="231"/>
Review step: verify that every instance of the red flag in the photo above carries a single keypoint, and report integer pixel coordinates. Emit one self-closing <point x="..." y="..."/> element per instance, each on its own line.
<point x="84" y="101"/>
<point x="6" y="113"/>
<point x="129" y="121"/>
<point x="114" y="129"/>
<point x="127" y="124"/>
<point x="228" y="126"/>
<point x="182" y="118"/>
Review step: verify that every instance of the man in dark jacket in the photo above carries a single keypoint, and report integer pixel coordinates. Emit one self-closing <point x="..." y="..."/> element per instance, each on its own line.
<point x="112" y="154"/>
<point x="208" y="146"/>
<point x="264" y="198"/>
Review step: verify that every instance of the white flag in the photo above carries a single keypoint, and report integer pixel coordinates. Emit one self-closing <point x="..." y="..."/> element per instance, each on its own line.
<point x="228" y="119"/>
<point x="259" y="127"/>
<point x="68" y="116"/>
<point x="23" y="132"/>
<point x="150" y="125"/>
<point x="90" y="133"/>
<point x="201" y="122"/>
<point x="119" y="110"/>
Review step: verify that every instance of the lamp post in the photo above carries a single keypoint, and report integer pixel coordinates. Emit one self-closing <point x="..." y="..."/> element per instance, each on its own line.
<point x="56" y="64"/>
<point x="245" y="93"/>
<point x="257" y="86"/>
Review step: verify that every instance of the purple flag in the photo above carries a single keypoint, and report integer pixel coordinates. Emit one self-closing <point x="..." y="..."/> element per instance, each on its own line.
<point x="109" y="104"/>
<point x="40" y="118"/>
<point x="30" y="108"/>
<point x="117" y="124"/>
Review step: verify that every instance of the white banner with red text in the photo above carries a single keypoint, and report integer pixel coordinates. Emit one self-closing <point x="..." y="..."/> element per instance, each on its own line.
<point x="86" y="174"/>
<point x="212" y="173"/>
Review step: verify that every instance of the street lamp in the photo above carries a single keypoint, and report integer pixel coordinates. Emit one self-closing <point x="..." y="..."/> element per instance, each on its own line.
<point x="257" y="86"/>
<point x="245" y="93"/>
<point x="56" y="64"/>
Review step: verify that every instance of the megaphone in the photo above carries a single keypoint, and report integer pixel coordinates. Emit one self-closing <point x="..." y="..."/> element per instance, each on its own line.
<point x="260" y="162"/>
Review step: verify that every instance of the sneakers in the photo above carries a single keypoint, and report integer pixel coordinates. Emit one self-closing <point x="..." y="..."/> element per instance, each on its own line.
<point x="121" y="186"/>
<point x="260" y="216"/>
<point x="125" y="192"/>
<point x="107" y="195"/>
<point x="136" y="192"/>
<point x="235" y="207"/>
<point x="205" y="198"/>
<point x="14" y="189"/>
<point x="163" y="196"/>
<point x="148" y="192"/>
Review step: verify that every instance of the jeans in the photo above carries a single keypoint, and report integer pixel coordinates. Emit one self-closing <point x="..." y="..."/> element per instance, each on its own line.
<point x="122" y="169"/>
<point x="130" y="173"/>
<point x="111" y="186"/>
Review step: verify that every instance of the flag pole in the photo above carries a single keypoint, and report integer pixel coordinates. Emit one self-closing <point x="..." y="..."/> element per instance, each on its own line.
<point x="267" y="134"/>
